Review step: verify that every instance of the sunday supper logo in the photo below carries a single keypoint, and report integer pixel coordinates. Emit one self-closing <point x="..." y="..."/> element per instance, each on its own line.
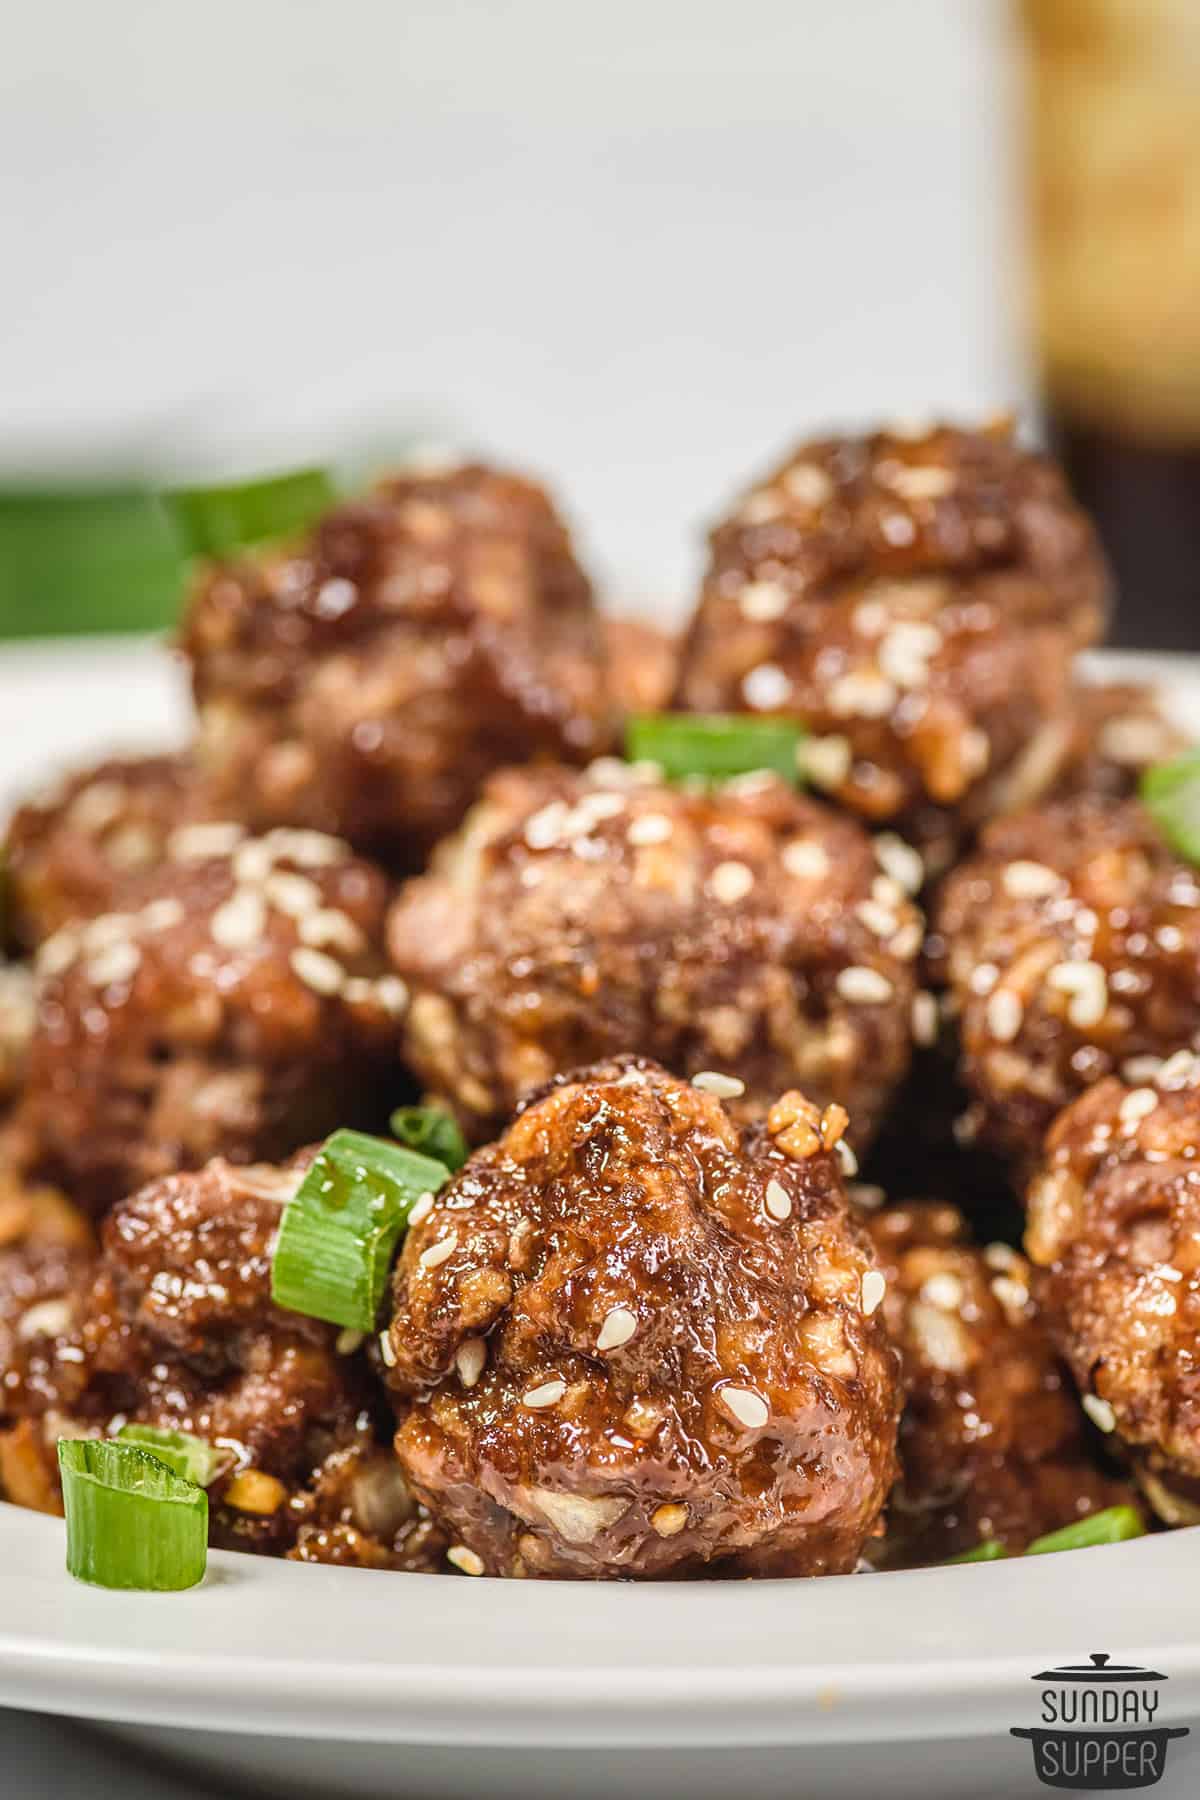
<point x="1098" y="1727"/>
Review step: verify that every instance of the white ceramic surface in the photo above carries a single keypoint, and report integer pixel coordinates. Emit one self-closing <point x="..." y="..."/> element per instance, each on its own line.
<point x="320" y="1681"/>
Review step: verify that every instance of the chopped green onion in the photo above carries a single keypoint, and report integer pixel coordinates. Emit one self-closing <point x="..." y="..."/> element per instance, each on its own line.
<point x="1112" y="1526"/>
<point x="86" y="559"/>
<point x="1171" y="795"/>
<point x="212" y="520"/>
<point x="131" y="1521"/>
<point x="433" y="1131"/>
<point x="988" y="1550"/>
<point x="339" y="1229"/>
<point x="191" y="1457"/>
<point x="717" y="746"/>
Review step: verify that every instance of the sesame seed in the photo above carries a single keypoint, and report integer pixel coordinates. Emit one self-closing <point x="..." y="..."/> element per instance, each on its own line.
<point x="438" y="1253"/>
<point x="975" y="751"/>
<point x="109" y="928"/>
<point x="348" y="1341"/>
<point x="97" y="805"/>
<point x="826" y="760"/>
<point x="1177" y="1071"/>
<point x="1005" y="1015"/>
<point x="745" y="1407"/>
<point x="1086" y="984"/>
<point x="863" y="986"/>
<point x="763" y="600"/>
<point x="908" y="940"/>
<point x="617" y="1329"/>
<point x="871" y="618"/>
<point x="1000" y="1256"/>
<point x="760" y="507"/>
<point x="49" y="1318"/>
<point x="868" y="1196"/>
<point x="900" y="861"/>
<point x="240" y="922"/>
<point x="465" y="1559"/>
<point x="1030" y="880"/>
<point x="669" y="1521"/>
<point x="1138" y="1104"/>
<point x="1169" y="938"/>
<point x="730" y="882"/>
<point x="778" y="1201"/>
<point x="191" y="843"/>
<point x="58" y="952"/>
<point x="469" y="1360"/>
<point x="1012" y="1295"/>
<point x="924" y="1019"/>
<point x="873" y="1288"/>
<point x="846" y="1157"/>
<point x="386" y="1350"/>
<point x="903" y="655"/>
<point x="1100" y="1412"/>
<point x="549" y="1393"/>
<point x="919" y="482"/>
<point x="317" y="971"/>
<point x="649" y="828"/>
<point x="162" y="915"/>
<point x="1137" y="1070"/>
<point x="391" y="993"/>
<point x="252" y="862"/>
<point x="805" y="859"/>
<point x="602" y="806"/>
<point x="862" y="694"/>
<point x="765" y="687"/>
<point x="546" y="825"/>
<point x="943" y="1290"/>
<point x="808" y="483"/>
<point x="421" y="1210"/>
<point x="984" y="977"/>
<point x="118" y="962"/>
<point x="292" y="894"/>
<point x="328" y="926"/>
<point x="725" y="1087"/>
<point x="311" y="849"/>
<point x="876" y="918"/>
<point x="888" y="893"/>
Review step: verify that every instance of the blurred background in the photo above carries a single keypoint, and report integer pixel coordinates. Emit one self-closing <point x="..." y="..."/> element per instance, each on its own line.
<point x="635" y="247"/>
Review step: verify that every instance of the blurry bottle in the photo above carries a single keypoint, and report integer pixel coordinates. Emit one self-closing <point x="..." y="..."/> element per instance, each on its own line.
<point x="1113" y="108"/>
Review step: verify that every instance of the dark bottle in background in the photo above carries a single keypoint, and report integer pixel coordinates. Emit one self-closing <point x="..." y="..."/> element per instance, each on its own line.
<point x="1112" y="107"/>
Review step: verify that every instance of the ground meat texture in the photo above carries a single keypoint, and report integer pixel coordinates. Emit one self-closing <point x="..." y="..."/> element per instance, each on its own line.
<point x="917" y="601"/>
<point x="238" y="1005"/>
<point x="1114" y="1228"/>
<point x="71" y="849"/>
<point x="632" y="1340"/>
<point x="579" y="915"/>
<point x="992" y="1441"/>
<point x="360" y="1513"/>
<point x="641" y="665"/>
<point x="46" y="1248"/>
<point x="1071" y="945"/>
<point x="1119" y="730"/>
<point x="366" y="681"/>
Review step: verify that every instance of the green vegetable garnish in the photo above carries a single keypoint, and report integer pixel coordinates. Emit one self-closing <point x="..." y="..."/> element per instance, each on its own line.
<point x="989" y="1550"/>
<point x="339" y="1229"/>
<point x="191" y="1457"/>
<point x="131" y="1521"/>
<point x="1112" y="1526"/>
<point x="86" y="559"/>
<point x="716" y="746"/>
<point x="432" y="1131"/>
<point x="212" y="520"/>
<point x="1171" y="795"/>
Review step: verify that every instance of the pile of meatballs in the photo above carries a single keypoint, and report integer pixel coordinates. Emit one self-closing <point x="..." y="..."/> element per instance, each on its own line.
<point x="834" y="1199"/>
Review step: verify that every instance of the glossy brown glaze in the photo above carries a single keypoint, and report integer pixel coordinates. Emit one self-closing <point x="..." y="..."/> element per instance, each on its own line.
<point x="237" y="1005"/>
<point x="745" y="929"/>
<point x="365" y="681"/>
<point x="630" y="1340"/>
<point x="1071" y="945"/>
<point x="916" y="600"/>
<point x="1119" y="730"/>
<point x="642" y="661"/>
<point x="992" y="1442"/>
<point x="1114" y="1228"/>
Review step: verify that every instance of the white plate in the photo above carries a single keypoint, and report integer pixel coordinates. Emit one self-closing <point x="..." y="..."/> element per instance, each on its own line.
<point x="320" y="1681"/>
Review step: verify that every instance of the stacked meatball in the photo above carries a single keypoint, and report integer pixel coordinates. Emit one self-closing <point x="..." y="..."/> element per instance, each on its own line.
<point x="632" y="1337"/>
<point x="576" y="916"/>
<point x="366" y="680"/>
<point x="917" y="601"/>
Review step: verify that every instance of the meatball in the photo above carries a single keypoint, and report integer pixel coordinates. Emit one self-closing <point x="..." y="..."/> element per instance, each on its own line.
<point x="634" y="1339"/>
<point x="1114" y="1229"/>
<point x="992" y="1439"/>
<point x="237" y="1005"/>
<point x="365" y="681"/>
<point x="16" y="1026"/>
<point x="917" y="602"/>
<point x="1071" y="945"/>
<point x="1119" y="729"/>
<point x="71" y="849"/>
<point x="174" y="1327"/>
<point x="641" y="665"/>
<point x="584" y="915"/>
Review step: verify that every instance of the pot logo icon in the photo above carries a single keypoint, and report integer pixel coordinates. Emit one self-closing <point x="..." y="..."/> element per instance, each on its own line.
<point x="1099" y="1727"/>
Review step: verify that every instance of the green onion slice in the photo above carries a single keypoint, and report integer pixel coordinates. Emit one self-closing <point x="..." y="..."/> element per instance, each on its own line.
<point x="1112" y="1526"/>
<point x="211" y="520"/>
<point x="1171" y="795"/>
<point x="192" y="1457"/>
<point x="988" y="1550"/>
<point x="131" y="1521"/>
<point x="716" y="746"/>
<point x="339" y="1229"/>
<point x="429" y="1129"/>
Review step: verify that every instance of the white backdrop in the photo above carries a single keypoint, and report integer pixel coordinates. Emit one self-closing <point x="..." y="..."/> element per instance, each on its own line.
<point x="637" y="245"/>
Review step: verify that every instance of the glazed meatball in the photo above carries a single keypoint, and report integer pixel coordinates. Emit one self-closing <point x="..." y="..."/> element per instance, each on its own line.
<point x="991" y="1440"/>
<point x="72" y="848"/>
<point x="578" y="916"/>
<point x="1071" y="946"/>
<point x="237" y="1005"/>
<point x="365" y="681"/>
<point x="917" y="602"/>
<point x="1119" y="729"/>
<point x="1114" y="1228"/>
<point x="635" y="1341"/>
<point x="641" y="665"/>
